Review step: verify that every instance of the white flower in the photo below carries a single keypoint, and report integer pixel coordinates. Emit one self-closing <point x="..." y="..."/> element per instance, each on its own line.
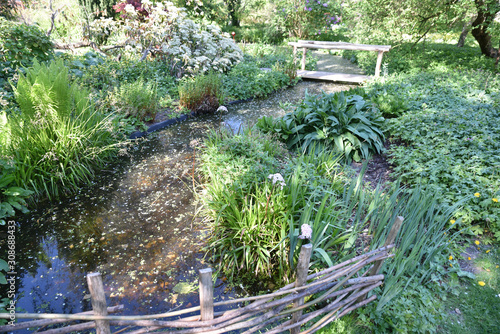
<point x="222" y="108"/>
<point x="306" y="232"/>
<point x="277" y="178"/>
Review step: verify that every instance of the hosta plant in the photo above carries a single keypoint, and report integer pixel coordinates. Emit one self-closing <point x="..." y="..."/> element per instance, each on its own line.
<point x="344" y="124"/>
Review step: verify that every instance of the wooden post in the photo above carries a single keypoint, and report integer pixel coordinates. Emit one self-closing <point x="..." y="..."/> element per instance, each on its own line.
<point x="302" y="269"/>
<point x="206" y="294"/>
<point x="389" y="241"/>
<point x="98" y="299"/>
<point x="304" y="51"/>
<point x="379" y="63"/>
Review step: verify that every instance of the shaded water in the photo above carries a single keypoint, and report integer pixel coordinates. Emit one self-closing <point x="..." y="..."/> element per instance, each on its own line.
<point x="137" y="226"/>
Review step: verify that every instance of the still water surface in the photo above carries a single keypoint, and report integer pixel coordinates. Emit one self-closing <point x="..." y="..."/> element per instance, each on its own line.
<point x="137" y="226"/>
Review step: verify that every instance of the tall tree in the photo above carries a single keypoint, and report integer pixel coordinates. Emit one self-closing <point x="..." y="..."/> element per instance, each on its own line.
<point x="233" y="7"/>
<point x="395" y="20"/>
<point x="486" y="12"/>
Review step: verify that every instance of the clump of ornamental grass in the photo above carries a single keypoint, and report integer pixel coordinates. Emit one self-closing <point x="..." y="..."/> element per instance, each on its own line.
<point x="58" y="141"/>
<point x="202" y="93"/>
<point x="137" y="99"/>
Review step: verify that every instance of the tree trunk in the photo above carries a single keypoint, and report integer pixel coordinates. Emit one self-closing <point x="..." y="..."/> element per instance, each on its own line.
<point x="486" y="11"/>
<point x="464" y="33"/>
<point x="233" y="7"/>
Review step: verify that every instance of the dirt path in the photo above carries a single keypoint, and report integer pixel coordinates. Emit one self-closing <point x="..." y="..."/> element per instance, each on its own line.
<point x="337" y="64"/>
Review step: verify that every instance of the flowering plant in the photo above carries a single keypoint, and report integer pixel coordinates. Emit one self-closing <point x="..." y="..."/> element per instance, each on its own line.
<point x="164" y="30"/>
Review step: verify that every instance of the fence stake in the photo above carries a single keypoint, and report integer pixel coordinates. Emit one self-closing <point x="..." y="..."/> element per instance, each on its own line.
<point x="389" y="241"/>
<point x="302" y="269"/>
<point x="98" y="298"/>
<point x="206" y="294"/>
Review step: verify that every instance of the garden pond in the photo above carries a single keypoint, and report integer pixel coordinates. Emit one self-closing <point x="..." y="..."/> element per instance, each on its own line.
<point x="138" y="225"/>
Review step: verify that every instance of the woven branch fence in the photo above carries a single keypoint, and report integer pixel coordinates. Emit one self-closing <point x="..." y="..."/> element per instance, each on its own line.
<point x="319" y="298"/>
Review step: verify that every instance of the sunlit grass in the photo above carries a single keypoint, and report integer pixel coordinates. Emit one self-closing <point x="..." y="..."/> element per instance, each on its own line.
<point x="476" y="307"/>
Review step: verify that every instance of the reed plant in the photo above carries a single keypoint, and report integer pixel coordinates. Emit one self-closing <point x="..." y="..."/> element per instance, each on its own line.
<point x="203" y="93"/>
<point x="427" y="231"/>
<point x="258" y="213"/>
<point x="59" y="140"/>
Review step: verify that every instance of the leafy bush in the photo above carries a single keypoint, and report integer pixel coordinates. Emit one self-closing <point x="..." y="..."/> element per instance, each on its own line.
<point x="265" y="55"/>
<point x="408" y="57"/>
<point x="187" y="47"/>
<point x="305" y="19"/>
<point x="59" y="140"/>
<point x="98" y="74"/>
<point x="202" y="93"/>
<point x="247" y="80"/>
<point x="11" y="198"/>
<point x="348" y="125"/>
<point x="450" y="140"/>
<point x="137" y="100"/>
<point x="19" y="45"/>
<point x="256" y="33"/>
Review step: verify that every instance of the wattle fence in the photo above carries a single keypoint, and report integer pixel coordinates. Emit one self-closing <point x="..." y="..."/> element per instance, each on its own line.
<point x="305" y="306"/>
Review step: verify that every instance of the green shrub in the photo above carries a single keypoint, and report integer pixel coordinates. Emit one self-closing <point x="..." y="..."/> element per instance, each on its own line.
<point x="19" y="45"/>
<point x="58" y="140"/>
<point x="247" y="80"/>
<point x="409" y="57"/>
<point x="257" y="33"/>
<point x="265" y="55"/>
<point x="202" y="93"/>
<point x="11" y="198"/>
<point x="95" y="73"/>
<point x="348" y="125"/>
<point x="137" y="100"/>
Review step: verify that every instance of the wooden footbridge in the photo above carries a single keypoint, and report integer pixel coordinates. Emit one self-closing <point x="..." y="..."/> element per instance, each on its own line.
<point x="337" y="77"/>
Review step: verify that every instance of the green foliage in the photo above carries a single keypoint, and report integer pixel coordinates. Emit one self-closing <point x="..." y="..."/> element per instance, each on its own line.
<point x="257" y="220"/>
<point x="202" y="93"/>
<point x="11" y="198"/>
<point x="256" y="33"/>
<point x="450" y="140"/>
<point x="247" y="80"/>
<point x="408" y="57"/>
<point x="137" y="100"/>
<point x="478" y="305"/>
<point x="266" y="56"/>
<point x="19" y="45"/>
<point x="99" y="8"/>
<point x="58" y="141"/>
<point x="303" y="19"/>
<point x="394" y="21"/>
<point x="348" y="125"/>
<point x="96" y="73"/>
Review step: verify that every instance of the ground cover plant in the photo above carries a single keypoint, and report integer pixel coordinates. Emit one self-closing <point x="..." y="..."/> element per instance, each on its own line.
<point x="475" y="305"/>
<point x="348" y="125"/>
<point x="450" y="137"/>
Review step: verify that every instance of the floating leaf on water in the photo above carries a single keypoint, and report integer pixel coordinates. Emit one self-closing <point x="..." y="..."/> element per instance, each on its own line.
<point x="185" y="287"/>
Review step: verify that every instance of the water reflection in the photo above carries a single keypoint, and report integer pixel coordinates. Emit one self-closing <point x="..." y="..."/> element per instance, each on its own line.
<point x="136" y="226"/>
